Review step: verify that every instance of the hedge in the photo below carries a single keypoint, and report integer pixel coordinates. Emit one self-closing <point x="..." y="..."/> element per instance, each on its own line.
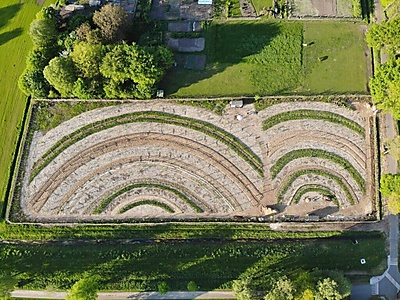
<point x="316" y="115"/>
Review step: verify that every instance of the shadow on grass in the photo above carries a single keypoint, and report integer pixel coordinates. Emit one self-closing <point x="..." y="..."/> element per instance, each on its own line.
<point x="9" y="35"/>
<point x="227" y="44"/>
<point x="7" y="13"/>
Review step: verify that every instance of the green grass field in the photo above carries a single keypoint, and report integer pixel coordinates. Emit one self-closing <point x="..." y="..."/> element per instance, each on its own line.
<point x="244" y="58"/>
<point x="259" y="5"/>
<point x="247" y="58"/>
<point x="345" y="68"/>
<point x="212" y="265"/>
<point x="14" y="46"/>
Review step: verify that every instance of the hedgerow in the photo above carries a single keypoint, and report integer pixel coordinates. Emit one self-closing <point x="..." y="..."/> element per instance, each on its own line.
<point x="295" y="154"/>
<point x="316" y="115"/>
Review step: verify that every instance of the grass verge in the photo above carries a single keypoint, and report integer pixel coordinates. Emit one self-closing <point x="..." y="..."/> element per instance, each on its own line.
<point x="211" y="264"/>
<point x="14" y="46"/>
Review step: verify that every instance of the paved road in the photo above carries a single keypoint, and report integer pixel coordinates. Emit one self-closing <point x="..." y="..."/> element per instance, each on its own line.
<point x="128" y="295"/>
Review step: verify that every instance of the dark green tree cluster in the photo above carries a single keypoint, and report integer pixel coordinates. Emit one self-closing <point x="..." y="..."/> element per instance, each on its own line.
<point x="385" y="85"/>
<point x="319" y="285"/>
<point x="91" y="58"/>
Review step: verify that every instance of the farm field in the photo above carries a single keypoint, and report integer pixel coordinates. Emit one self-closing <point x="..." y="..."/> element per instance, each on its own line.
<point x="266" y="58"/>
<point x="14" y="45"/>
<point x="212" y="265"/>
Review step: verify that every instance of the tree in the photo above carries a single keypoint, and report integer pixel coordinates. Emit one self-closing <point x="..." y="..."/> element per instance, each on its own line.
<point x="43" y="34"/>
<point x="87" y="58"/>
<point x="84" y="289"/>
<point x="132" y="72"/>
<point x="60" y="73"/>
<point x="385" y="87"/>
<point x="192" y="286"/>
<point x="307" y="295"/>
<point x="283" y="289"/>
<point x="112" y="21"/>
<point x="242" y="289"/>
<point x="163" y="287"/>
<point x="327" y="289"/>
<point x="390" y="188"/>
<point x="38" y="58"/>
<point x="394" y="203"/>
<point x="7" y="285"/>
<point x="385" y="35"/>
<point x="32" y="82"/>
<point x="50" y="14"/>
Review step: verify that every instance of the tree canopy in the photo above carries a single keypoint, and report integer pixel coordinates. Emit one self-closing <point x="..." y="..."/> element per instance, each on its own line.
<point x="390" y="188"/>
<point x="89" y="58"/>
<point x="385" y="87"/>
<point x="112" y="21"/>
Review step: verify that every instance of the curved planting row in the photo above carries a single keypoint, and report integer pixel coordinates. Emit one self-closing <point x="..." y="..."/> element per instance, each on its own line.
<point x="316" y="136"/>
<point x="128" y="188"/>
<point x="202" y="151"/>
<point x="147" y="202"/>
<point x="319" y="172"/>
<point x="209" y="129"/>
<point x="295" y="154"/>
<point x="314" y="188"/>
<point x="313" y="114"/>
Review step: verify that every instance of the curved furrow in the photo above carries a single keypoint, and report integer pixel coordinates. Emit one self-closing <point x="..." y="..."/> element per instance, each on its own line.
<point x="316" y="169"/>
<point x="206" y="153"/>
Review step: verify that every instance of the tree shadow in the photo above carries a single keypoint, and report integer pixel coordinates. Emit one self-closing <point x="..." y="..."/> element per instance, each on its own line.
<point x="7" y="13"/>
<point x="9" y="35"/>
<point x="227" y="44"/>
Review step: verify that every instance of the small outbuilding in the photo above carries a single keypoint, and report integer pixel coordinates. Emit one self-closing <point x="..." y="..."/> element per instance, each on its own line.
<point x="237" y="103"/>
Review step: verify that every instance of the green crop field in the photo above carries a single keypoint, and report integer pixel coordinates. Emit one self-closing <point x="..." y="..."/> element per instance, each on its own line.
<point x="211" y="264"/>
<point x="14" y="46"/>
<point x="344" y="69"/>
<point x="247" y="58"/>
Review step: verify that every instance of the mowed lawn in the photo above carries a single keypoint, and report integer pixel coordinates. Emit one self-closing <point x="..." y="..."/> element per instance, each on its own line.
<point x="244" y="58"/>
<point x="247" y="58"/>
<point x="344" y="69"/>
<point x="14" y="46"/>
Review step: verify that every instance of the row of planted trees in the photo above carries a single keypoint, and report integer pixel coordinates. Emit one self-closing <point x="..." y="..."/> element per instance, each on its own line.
<point x="91" y="56"/>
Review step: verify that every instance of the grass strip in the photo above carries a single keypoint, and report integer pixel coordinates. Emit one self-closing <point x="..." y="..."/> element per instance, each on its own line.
<point x="182" y="196"/>
<point x="315" y="115"/>
<point x="314" y="188"/>
<point x="157" y="117"/>
<point x="147" y="202"/>
<point x="319" y="172"/>
<point x="319" y="153"/>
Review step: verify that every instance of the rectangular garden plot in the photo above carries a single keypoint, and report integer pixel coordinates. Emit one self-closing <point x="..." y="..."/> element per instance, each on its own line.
<point x="168" y="160"/>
